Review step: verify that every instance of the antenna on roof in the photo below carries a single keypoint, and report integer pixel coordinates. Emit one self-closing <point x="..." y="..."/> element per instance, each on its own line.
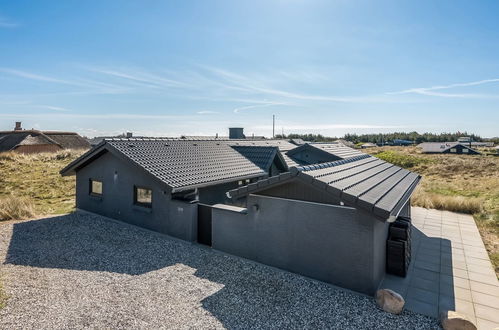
<point x="273" y="126"/>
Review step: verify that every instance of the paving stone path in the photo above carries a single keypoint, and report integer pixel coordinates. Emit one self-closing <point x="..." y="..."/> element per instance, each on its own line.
<point x="450" y="269"/>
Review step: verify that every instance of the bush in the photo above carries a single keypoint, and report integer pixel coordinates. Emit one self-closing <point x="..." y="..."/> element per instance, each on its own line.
<point x="16" y="208"/>
<point x="399" y="159"/>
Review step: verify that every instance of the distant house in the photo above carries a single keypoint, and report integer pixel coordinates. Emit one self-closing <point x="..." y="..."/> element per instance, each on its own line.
<point x="318" y="209"/>
<point x="368" y="145"/>
<point x="400" y="142"/>
<point x="34" y="141"/>
<point x="447" y="148"/>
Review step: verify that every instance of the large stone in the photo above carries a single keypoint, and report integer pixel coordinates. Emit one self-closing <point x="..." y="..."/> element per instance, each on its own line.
<point x="452" y="320"/>
<point x="390" y="301"/>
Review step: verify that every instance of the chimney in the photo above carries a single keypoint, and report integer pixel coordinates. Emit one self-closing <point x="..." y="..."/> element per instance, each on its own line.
<point x="236" y="133"/>
<point x="18" y="126"/>
<point x="129" y="134"/>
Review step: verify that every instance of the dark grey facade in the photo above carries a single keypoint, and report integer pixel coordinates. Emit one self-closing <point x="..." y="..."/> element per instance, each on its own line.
<point x="167" y="216"/>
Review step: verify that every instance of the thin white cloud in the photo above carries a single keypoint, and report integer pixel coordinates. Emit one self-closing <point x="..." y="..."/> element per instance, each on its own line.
<point x="431" y="90"/>
<point x="126" y="116"/>
<point x="264" y="105"/>
<point x="91" y="86"/>
<point x="51" y="107"/>
<point x="207" y="112"/>
<point x="299" y="127"/>
<point x="137" y="76"/>
<point x="7" y="23"/>
<point x="33" y="76"/>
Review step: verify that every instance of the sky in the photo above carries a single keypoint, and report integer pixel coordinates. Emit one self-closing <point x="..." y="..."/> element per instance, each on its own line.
<point x="170" y="68"/>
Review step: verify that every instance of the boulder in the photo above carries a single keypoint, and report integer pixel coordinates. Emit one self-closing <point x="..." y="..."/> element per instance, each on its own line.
<point x="390" y="301"/>
<point x="452" y="320"/>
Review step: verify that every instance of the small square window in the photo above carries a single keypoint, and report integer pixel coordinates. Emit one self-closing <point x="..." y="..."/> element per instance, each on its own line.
<point x="142" y="196"/>
<point x="95" y="187"/>
<point x="465" y="151"/>
<point x="453" y="150"/>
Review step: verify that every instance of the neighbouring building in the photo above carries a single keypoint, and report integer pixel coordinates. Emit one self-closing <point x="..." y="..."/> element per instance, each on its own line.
<point x="368" y="145"/>
<point x="447" y="148"/>
<point x="35" y="141"/>
<point x="317" y="209"/>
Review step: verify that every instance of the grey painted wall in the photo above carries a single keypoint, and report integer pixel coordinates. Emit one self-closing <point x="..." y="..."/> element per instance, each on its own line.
<point x="340" y="245"/>
<point x="216" y="194"/>
<point x="176" y="218"/>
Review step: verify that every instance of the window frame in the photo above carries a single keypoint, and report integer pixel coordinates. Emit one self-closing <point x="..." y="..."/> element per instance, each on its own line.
<point x="135" y="195"/>
<point x="90" y="187"/>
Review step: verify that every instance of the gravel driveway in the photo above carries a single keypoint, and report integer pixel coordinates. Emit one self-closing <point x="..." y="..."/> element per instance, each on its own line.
<point x="81" y="270"/>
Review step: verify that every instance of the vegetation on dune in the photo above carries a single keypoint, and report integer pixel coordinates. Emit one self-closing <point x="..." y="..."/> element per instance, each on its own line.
<point x="387" y="137"/>
<point x="31" y="185"/>
<point x="458" y="183"/>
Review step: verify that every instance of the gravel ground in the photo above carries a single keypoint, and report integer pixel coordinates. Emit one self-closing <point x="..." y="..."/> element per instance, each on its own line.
<point x="81" y="270"/>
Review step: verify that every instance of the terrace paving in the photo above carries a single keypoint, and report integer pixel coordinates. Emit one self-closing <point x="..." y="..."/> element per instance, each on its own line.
<point x="450" y="269"/>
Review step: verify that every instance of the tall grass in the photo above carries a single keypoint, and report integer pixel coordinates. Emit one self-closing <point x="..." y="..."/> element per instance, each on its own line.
<point x="461" y="204"/>
<point x="30" y="184"/>
<point x="16" y="208"/>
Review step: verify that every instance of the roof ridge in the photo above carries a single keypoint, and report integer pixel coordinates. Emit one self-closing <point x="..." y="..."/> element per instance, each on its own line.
<point x="313" y="167"/>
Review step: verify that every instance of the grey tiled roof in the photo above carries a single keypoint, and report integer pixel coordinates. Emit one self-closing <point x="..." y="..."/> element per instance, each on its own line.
<point x="363" y="181"/>
<point x="179" y="164"/>
<point x="261" y="156"/>
<point x="439" y="147"/>
<point x="283" y="146"/>
<point x="338" y="149"/>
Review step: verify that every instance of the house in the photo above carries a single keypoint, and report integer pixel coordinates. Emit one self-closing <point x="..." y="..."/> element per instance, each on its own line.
<point x="401" y="142"/>
<point x="34" y="141"/>
<point x="447" y="148"/>
<point x="368" y="145"/>
<point x="319" y="209"/>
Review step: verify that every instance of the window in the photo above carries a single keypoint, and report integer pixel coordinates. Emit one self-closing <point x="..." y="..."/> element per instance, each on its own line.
<point x="453" y="150"/>
<point x="142" y="196"/>
<point x="95" y="187"/>
<point x="465" y="151"/>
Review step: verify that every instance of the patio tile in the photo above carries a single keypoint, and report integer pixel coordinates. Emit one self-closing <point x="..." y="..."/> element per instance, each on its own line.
<point x="474" y="254"/>
<point x="422" y="295"/>
<point x="433" y="258"/>
<point x="425" y="274"/>
<point x="487" y="313"/>
<point x="456" y="272"/>
<point x="486" y="324"/>
<point x="485" y="299"/>
<point x="422" y="307"/>
<point x="455" y="304"/>
<point x="485" y="270"/>
<point x="482" y="278"/>
<point x="421" y="283"/>
<point x="427" y="265"/>
<point x="446" y="281"/>
<point x="476" y="262"/>
<point x="484" y="288"/>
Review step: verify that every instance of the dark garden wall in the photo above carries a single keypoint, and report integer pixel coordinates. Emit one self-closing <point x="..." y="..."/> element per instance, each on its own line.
<point x="335" y="244"/>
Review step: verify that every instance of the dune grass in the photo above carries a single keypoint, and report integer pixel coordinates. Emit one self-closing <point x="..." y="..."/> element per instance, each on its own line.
<point x="30" y="185"/>
<point x="458" y="183"/>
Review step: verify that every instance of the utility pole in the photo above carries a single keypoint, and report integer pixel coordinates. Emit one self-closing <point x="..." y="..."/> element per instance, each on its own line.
<point x="273" y="126"/>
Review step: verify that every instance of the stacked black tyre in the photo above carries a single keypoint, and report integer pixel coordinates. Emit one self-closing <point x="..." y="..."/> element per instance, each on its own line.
<point x="398" y="247"/>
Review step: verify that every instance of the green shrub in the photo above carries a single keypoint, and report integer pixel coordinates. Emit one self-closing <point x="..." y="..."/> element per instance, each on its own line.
<point x="399" y="159"/>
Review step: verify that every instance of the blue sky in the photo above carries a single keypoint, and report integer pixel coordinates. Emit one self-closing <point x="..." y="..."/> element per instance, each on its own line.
<point x="166" y="68"/>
